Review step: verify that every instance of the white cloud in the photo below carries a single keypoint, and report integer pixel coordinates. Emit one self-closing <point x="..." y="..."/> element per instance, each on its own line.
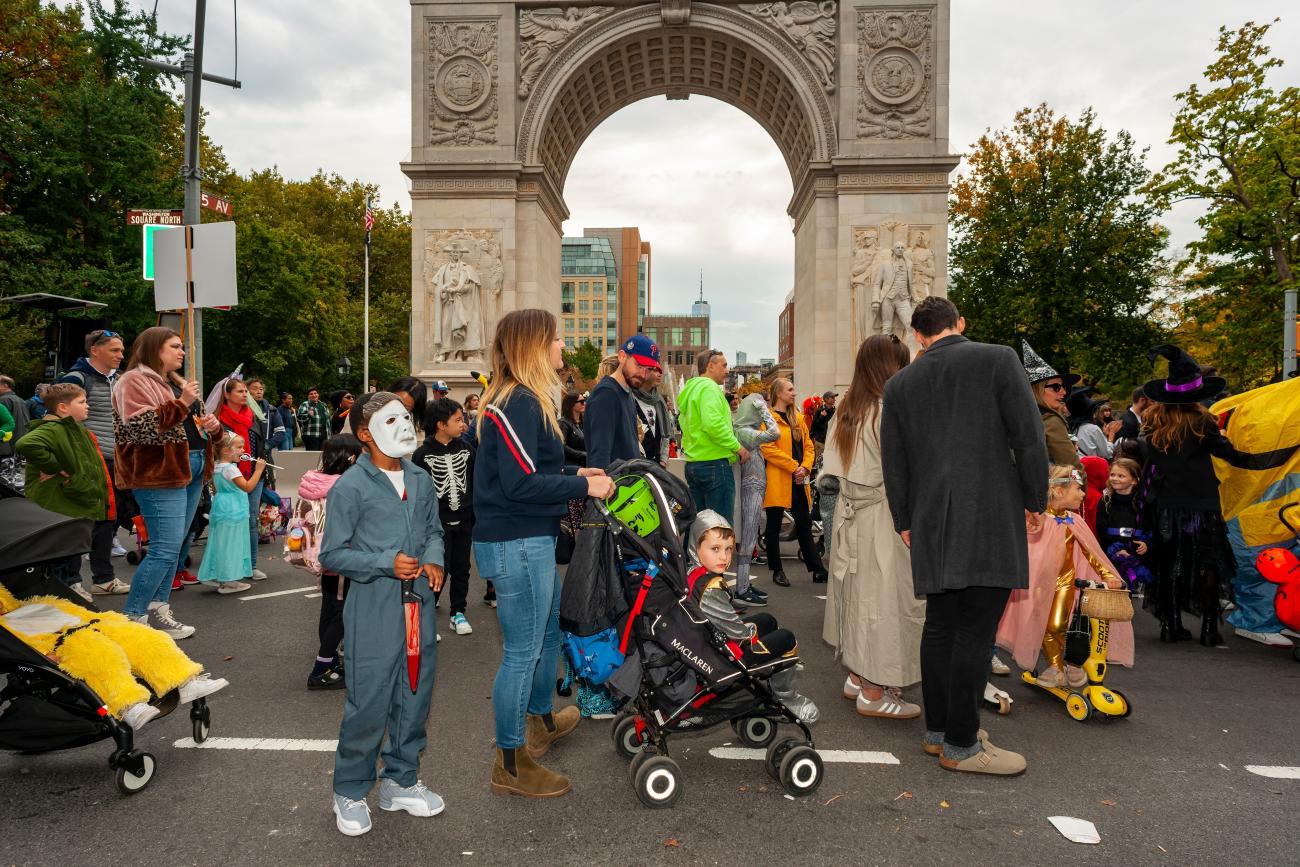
<point x="327" y="86"/>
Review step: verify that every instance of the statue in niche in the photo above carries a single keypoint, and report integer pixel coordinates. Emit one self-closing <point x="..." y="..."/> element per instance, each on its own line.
<point x="892" y="292"/>
<point x="457" y="287"/>
<point x="866" y="249"/>
<point x="922" y="266"/>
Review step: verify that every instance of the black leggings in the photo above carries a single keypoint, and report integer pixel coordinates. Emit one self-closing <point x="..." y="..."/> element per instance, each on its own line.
<point x="774" y="642"/>
<point x="331" y="615"/>
<point x="802" y="527"/>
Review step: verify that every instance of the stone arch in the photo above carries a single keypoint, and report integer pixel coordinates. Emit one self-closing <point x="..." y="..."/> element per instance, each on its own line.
<point x="632" y="55"/>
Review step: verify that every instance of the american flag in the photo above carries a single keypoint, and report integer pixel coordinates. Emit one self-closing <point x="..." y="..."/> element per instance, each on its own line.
<point x="370" y="218"/>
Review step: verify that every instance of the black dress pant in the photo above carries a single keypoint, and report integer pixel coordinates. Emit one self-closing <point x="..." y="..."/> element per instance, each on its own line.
<point x="330" y="627"/>
<point x="956" y="650"/>
<point x="457" y="542"/>
<point x="313" y="444"/>
<point x="802" y="527"/>
<point x="101" y="537"/>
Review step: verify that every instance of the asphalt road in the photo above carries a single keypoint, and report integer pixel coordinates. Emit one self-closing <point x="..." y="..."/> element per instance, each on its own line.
<point x="1166" y="786"/>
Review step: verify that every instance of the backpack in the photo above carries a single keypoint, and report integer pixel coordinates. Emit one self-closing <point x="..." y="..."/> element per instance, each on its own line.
<point x="306" y="528"/>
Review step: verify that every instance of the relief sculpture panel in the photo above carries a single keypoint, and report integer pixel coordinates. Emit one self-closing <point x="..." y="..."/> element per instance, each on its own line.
<point x="893" y="268"/>
<point x="463" y="276"/>
<point x="543" y="32"/>
<point x="810" y="26"/>
<point x="896" y="73"/>
<point x="462" y="82"/>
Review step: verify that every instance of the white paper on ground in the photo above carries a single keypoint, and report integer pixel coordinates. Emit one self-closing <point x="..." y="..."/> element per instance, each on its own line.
<point x="1075" y="830"/>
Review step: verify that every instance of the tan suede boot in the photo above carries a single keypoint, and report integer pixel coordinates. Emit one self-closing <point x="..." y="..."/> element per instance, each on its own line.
<point x="530" y="780"/>
<point x="539" y="738"/>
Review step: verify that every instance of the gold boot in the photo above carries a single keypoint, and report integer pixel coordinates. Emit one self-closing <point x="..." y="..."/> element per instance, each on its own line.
<point x="530" y="779"/>
<point x="539" y="738"/>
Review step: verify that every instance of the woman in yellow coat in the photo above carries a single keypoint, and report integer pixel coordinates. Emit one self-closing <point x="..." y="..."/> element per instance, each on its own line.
<point x="789" y="470"/>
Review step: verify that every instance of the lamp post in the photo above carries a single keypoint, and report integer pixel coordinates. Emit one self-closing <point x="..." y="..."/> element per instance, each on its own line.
<point x="345" y="369"/>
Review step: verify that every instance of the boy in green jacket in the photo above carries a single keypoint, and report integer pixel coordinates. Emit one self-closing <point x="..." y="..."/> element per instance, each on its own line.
<point x="65" y="472"/>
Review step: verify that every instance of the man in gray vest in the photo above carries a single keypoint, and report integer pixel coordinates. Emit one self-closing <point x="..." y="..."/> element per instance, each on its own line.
<point x="96" y="373"/>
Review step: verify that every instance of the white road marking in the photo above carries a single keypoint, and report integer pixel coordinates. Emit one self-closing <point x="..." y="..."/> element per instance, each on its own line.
<point x="312" y="596"/>
<point x="276" y="593"/>
<point x="277" y="744"/>
<point x="1276" y="772"/>
<point x="821" y="597"/>
<point x="858" y="757"/>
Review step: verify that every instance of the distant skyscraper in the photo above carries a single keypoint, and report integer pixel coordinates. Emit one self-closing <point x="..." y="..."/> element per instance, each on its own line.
<point x="700" y="307"/>
<point x="742" y="357"/>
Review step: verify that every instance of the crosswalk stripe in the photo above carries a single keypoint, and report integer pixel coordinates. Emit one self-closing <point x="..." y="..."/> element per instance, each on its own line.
<point x="277" y="744"/>
<point x="276" y="593"/>
<point x="858" y="757"/>
<point x="1276" y="772"/>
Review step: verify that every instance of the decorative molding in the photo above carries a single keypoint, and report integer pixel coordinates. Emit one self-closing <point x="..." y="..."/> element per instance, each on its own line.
<point x="810" y="27"/>
<point x="461" y="84"/>
<point x="675" y="13"/>
<point x="893" y="179"/>
<point x="543" y="32"/>
<point x="463" y="185"/>
<point x="896" y="73"/>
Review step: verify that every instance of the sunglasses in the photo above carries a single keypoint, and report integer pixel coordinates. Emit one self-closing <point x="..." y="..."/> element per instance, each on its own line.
<point x="98" y="337"/>
<point x="1056" y="386"/>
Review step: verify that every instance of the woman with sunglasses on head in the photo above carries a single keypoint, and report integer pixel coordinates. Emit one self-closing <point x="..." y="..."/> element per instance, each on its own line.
<point x="1050" y="390"/>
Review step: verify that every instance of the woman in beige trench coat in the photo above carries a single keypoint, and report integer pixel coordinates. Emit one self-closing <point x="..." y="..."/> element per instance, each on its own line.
<point x="873" y="618"/>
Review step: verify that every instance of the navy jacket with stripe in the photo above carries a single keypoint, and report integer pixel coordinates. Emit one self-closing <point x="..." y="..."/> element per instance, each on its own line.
<point x="521" y="484"/>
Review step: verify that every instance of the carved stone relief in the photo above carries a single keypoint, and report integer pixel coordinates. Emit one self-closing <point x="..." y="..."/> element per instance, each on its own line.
<point x="463" y="277"/>
<point x="462" y="82"/>
<point x="893" y="268"/>
<point x="895" y="73"/>
<point x="543" y="32"/>
<point x="810" y="26"/>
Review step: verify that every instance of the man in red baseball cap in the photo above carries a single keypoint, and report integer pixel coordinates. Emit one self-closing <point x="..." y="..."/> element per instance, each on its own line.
<point x="609" y="424"/>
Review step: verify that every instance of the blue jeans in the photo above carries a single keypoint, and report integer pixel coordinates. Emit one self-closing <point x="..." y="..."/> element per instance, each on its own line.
<point x="254" y="510"/>
<point x="193" y="493"/>
<point x="712" y="485"/>
<point x="163" y="510"/>
<point x="528" y="610"/>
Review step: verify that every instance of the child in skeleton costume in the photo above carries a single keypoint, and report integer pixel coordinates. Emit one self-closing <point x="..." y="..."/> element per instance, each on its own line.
<point x="383" y="533"/>
<point x="450" y="461"/>
<point x="1061" y="550"/>
<point x="754" y="426"/>
<point x="758" y="636"/>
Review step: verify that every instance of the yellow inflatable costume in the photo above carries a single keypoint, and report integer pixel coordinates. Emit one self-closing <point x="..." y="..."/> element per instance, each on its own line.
<point x="104" y="649"/>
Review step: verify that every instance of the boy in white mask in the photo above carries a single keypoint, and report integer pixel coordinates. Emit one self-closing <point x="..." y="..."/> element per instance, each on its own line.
<point x="383" y="533"/>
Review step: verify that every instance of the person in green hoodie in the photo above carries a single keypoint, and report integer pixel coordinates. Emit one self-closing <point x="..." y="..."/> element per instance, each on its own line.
<point x="65" y="472"/>
<point x="708" y="442"/>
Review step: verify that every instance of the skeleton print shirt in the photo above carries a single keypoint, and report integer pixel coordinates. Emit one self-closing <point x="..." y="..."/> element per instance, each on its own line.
<point x="452" y="469"/>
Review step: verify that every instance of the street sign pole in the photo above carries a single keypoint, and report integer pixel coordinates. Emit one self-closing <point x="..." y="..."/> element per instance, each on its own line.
<point x="1289" y="333"/>
<point x="193" y="66"/>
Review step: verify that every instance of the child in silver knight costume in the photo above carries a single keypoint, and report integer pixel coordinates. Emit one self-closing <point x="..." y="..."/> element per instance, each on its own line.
<point x="757" y="638"/>
<point x="754" y="426"/>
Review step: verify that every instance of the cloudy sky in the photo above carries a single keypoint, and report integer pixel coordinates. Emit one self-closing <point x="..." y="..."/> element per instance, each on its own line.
<point x="326" y="85"/>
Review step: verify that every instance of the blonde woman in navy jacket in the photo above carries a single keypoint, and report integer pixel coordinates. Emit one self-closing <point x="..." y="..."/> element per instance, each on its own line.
<point x="521" y="490"/>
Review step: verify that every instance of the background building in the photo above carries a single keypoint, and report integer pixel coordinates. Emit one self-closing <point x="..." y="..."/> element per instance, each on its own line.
<point x="680" y="339"/>
<point x="588" y="293"/>
<point x="632" y="264"/>
<point x="785" y="339"/>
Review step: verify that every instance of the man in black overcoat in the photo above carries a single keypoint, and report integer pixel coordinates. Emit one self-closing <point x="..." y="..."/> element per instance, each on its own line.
<point x="965" y="462"/>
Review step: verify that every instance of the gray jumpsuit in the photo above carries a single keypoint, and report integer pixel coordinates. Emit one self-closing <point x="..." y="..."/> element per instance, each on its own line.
<point x="751" y="413"/>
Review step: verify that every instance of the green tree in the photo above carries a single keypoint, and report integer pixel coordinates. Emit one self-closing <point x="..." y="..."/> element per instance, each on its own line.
<point x="1239" y="152"/>
<point x="585" y="359"/>
<point x="1054" y="244"/>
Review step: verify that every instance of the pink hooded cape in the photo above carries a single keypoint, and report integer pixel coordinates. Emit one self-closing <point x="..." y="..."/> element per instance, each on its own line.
<point x="1025" y="619"/>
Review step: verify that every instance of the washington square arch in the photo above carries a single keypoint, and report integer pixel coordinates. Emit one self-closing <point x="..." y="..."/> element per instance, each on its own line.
<point x="854" y="93"/>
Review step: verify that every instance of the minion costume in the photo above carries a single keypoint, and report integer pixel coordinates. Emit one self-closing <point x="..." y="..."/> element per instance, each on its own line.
<point x="367" y="526"/>
<point x="105" y="650"/>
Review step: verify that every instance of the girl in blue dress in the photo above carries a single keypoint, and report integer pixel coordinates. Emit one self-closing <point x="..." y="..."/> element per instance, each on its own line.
<point x="228" y="556"/>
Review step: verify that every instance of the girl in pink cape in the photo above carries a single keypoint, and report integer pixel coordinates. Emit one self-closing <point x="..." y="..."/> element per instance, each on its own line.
<point x="1061" y="550"/>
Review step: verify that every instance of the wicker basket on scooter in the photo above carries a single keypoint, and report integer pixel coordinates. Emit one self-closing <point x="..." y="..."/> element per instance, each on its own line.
<point x="1106" y="604"/>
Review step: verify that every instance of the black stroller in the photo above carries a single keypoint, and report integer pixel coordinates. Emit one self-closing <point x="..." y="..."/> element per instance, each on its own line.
<point x="628" y="582"/>
<point x="41" y="708"/>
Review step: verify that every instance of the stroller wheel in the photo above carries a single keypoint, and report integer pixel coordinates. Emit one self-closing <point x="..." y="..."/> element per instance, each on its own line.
<point x="658" y="782"/>
<point x="627" y="743"/>
<point x="755" y="732"/>
<point x="201" y="729"/>
<point x="133" y="557"/>
<point x="775" y="753"/>
<point x="801" y="771"/>
<point x="135" y="772"/>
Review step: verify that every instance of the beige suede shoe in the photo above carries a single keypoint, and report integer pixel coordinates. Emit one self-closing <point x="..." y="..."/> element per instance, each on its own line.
<point x="989" y="760"/>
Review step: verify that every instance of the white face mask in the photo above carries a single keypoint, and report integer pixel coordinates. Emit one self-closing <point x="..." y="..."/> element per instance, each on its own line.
<point x="393" y="431"/>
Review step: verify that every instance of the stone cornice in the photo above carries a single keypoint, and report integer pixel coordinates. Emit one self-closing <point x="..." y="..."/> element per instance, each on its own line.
<point x="476" y="181"/>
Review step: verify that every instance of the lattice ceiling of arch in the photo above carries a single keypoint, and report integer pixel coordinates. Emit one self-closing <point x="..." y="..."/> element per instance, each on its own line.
<point x="655" y="63"/>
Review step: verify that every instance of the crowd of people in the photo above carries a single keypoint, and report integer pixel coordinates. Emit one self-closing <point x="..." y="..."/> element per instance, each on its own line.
<point x="948" y="527"/>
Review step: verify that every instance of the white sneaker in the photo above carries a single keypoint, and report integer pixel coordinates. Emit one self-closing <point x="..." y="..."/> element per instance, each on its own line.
<point x="160" y="618"/>
<point x="118" y="550"/>
<point x="460" y="624"/>
<point x="80" y="590"/>
<point x="258" y="575"/>
<point x="851" y="689"/>
<point x="1290" y="633"/>
<point x="416" y="800"/>
<point x="352" y="817"/>
<point x="997" y="666"/>
<point x="138" y="714"/>
<point x="201" y="686"/>
<point x="225" y="588"/>
<point x="1272" y="639"/>
<point x="111" y="587"/>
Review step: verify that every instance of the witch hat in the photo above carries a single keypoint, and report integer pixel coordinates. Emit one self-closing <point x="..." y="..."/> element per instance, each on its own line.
<point x="1184" y="384"/>
<point x="1039" y="370"/>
